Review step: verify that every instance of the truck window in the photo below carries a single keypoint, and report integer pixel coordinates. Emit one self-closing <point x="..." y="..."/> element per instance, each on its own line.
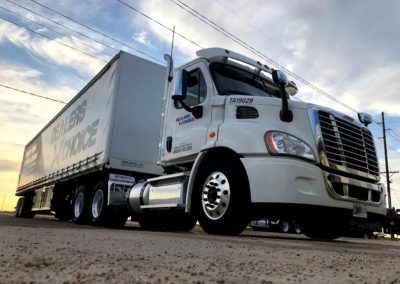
<point x="231" y="80"/>
<point x="197" y="89"/>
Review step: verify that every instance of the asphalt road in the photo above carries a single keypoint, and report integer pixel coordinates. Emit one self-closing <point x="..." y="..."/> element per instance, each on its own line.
<point x="44" y="250"/>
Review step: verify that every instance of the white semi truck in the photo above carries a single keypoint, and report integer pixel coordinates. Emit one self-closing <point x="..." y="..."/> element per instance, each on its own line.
<point x="217" y="141"/>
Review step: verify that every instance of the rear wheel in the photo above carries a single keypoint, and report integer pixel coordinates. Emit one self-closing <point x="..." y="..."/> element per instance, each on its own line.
<point x="285" y="227"/>
<point x="24" y="207"/>
<point x="181" y="222"/>
<point x="80" y="206"/>
<point x="150" y="222"/>
<point x="169" y="221"/>
<point x="18" y="208"/>
<point x="221" y="197"/>
<point x="297" y="228"/>
<point x="103" y="215"/>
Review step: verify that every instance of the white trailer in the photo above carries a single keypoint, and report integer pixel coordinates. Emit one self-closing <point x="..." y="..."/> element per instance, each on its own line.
<point x="105" y="135"/>
<point x="217" y="140"/>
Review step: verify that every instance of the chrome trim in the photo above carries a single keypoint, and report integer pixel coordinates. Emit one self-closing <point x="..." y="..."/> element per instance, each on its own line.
<point x="321" y="147"/>
<point x="330" y="178"/>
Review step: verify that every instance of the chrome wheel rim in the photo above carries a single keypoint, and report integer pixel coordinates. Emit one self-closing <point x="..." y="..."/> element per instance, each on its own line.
<point x="97" y="203"/>
<point x="216" y="195"/>
<point x="78" y="206"/>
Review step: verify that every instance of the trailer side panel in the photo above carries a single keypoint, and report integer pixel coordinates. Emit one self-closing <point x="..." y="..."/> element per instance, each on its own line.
<point x="75" y="140"/>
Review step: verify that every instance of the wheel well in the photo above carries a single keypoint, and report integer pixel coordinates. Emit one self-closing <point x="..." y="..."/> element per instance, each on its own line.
<point x="222" y="153"/>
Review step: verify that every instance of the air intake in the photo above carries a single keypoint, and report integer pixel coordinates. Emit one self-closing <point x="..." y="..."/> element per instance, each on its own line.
<point x="244" y="112"/>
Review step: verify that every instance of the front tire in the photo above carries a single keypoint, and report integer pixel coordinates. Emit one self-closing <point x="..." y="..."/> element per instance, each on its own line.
<point x="222" y="197"/>
<point x="323" y="229"/>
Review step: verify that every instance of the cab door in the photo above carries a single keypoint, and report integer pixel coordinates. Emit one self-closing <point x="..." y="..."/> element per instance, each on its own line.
<point x="184" y="134"/>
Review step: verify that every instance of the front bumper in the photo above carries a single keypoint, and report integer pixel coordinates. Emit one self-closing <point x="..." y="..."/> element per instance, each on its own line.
<point x="281" y="180"/>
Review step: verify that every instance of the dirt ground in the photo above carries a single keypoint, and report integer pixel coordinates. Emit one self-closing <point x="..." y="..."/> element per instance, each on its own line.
<point x="44" y="250"/>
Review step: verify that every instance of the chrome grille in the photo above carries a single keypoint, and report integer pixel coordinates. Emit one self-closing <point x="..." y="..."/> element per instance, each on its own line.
<point x="347" y="144"/>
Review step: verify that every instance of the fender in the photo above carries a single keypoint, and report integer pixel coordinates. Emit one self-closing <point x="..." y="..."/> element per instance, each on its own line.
<point x="192" y="177"/>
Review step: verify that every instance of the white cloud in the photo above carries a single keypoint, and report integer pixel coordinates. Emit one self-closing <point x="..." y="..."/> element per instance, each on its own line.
<point x="142" y="38"/>
<point x="50" y="50"/>
<point x="23" y="115"/>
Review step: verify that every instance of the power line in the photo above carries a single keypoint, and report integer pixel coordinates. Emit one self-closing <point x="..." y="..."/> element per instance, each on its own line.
<point x="59" y="42"/>
<point x="159" y="23"/>
<point x="32" y="94"/>
<point x="53" y="30"/>
<point x="61" y="25"/>
<point x="96" y="31"/>
<point x="394" y="135"/>
<point x="395" y="150"/>
<point x="277" y="43"/>
<point x="254" y="51"/>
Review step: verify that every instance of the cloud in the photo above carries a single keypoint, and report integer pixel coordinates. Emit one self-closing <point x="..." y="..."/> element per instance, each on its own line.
<point x="52" y="51"/>
<point x="9" y="165"/>
<point x="22" y="115"/>
<point x="336" y="47"/>
<point x="142" y="38"/>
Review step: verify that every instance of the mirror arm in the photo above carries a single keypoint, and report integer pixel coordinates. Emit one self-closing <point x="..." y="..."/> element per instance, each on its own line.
<point x="286" y="114"/>
<point x="185" y="106"/>
<point x="197" y="111"/>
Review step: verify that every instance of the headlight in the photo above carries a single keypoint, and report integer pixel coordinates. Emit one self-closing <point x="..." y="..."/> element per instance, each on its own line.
<point x="280" y="143"/>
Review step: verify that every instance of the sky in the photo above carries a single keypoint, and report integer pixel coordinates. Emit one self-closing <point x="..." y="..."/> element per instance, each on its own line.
<point x="347" y="49"/>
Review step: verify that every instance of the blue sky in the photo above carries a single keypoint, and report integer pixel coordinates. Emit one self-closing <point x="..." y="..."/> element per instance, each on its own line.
<point x="349" y="49"/>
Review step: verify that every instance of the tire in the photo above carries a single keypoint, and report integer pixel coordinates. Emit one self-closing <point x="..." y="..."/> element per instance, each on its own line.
<point x="80" y="206"/>
<point x="100" y="214"/>
<point x="182" y="222"/>
<point x="151" y="223"/>
<point x="222" y="197"/>
<point x="24" y="207"/>
<point x="285" y="227"/>
<point x="323" y="230"/>
<point x="297" y="228"/>
<point x="98" y="205"/>
<point x="62" y="203"/>
<point x="18" y="208"/>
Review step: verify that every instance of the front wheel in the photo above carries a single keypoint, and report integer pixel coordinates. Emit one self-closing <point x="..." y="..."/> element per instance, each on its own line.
<point x="222" y="197"/>
<point x="324" y="229"/>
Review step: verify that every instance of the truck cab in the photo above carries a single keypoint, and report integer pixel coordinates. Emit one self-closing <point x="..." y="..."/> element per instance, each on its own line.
<point x="228" y="120"/>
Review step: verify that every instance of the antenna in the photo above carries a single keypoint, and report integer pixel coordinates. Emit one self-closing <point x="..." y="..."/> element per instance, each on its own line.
<point x="172" y="43"/>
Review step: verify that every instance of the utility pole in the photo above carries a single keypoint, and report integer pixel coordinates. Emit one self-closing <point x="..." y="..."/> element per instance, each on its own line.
<point x="2" y="206"/>
<point x="386" y="161"/>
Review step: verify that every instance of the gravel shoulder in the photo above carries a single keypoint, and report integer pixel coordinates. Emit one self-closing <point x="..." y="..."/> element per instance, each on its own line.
<point x="46" y="250"/>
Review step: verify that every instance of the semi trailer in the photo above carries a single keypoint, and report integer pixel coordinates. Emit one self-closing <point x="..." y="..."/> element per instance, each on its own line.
<point x="217" y="141"/>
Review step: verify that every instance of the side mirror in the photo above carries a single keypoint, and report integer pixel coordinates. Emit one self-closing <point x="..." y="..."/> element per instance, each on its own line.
<point x="291" y="88"/>
<point x="365" y="118"/>
<point x="180" y="94"/>
<point x="181" y="87"/>
<point x="280" y="78"/>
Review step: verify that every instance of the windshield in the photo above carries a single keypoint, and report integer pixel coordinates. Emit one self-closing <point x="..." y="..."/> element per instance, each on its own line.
<point x="231" y="80"/>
